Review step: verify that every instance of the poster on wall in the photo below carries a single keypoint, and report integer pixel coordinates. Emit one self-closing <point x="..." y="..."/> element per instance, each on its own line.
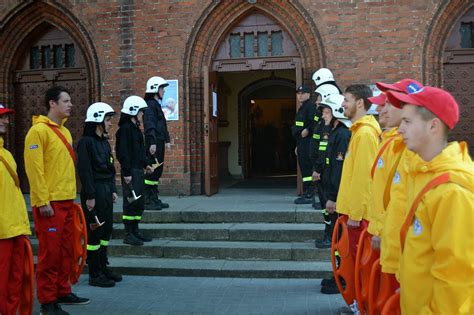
<point x="170" y="102"/>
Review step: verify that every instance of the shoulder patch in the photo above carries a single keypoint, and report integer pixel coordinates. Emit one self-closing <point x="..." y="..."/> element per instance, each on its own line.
<point x="380" y="163"/>
<point x="396" y="178"/>
<point x="340" y="156"/>
<point x="33" y="146"/>
<point x="417" y="227"/>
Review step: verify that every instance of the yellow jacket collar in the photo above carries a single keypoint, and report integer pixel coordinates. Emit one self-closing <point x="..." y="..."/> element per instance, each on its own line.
<point x="1" y="142"/>
<point x="367" y="120"/>
<point x="37" y="119"/>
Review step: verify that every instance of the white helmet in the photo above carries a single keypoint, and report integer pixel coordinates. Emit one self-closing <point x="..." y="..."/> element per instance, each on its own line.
<point x="153" y="84"/>
<point x="133" y="104"/>
<point x="326" y="90"/>
<point x="97" y="112"/>
<point x="335" y="101"/>
<point x="322" y="75"/>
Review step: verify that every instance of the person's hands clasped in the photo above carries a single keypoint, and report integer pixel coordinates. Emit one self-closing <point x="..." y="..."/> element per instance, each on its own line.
<point x="152" y="149"/>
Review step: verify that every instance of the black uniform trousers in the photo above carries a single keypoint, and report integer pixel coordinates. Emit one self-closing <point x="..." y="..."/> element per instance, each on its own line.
<point x="304" y="160"/>
<point x="104" y="211"/>
<point x="133" y="211"/>
<point x="153" y="178"/>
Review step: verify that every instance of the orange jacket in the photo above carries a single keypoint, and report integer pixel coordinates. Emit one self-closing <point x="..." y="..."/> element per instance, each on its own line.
<point x="437" y="265"/>
<point x="354" y="191"/>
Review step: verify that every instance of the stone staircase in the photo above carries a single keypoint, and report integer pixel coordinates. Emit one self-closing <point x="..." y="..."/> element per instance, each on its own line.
<point x="236" y="233"/>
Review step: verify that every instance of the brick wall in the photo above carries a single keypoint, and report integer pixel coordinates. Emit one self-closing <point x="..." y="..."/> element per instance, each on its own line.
<point x="127" y="41"/>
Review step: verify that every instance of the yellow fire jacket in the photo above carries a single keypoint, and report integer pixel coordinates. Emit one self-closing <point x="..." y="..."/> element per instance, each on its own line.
<point x="390" y="151"/>
<point x="437" y="265"/>
<point x="354" y="192"/>
<point x="48" y="164"/>
<point x="395" y="215"/>
<point x="13" y="215"/>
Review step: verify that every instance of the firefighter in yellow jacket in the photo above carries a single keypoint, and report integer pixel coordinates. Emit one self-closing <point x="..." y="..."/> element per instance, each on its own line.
<point x="14" y="226"/>
<point x="49" y="164"/>
<point x="436" y="267"/>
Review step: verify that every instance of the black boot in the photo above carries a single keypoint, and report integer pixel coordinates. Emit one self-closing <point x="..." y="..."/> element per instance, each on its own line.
<point x="109" y="273"/>
<point x="151" y="202"/>
<point x="307" y="197"/>
<point x="138" y="234"/>
<point x="163" y="205"/>
<point x="326" y="242"/>
<point x="96" y="277"/>
<point x="130" y="238"/>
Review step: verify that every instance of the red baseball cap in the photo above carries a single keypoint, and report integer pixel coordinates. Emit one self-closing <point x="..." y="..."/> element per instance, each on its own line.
<point x="379" y="99"/>
<point x="438" y="101"/>
<point x="405" y="86"/>
<point x="4" y="110"/>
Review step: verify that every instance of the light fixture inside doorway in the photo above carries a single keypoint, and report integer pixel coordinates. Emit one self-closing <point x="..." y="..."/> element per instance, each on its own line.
<point x="252" y="101"/>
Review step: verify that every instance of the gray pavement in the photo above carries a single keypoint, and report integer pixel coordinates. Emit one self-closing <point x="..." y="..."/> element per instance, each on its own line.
<point x="185" y="295"/>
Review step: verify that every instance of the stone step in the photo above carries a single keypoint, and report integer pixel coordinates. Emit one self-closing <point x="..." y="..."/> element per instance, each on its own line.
<point x="289" y="251"/>
<point x="266" y="232"/>
<point x="226" y="216"/>
<point x="220" y="268"/>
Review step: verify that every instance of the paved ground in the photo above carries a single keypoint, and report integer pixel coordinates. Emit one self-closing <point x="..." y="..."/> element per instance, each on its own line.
<point x="171" y="295"/>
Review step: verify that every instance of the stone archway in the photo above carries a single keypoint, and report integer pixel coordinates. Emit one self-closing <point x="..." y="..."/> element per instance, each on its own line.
<point x="438" y="32"/>
<point x="22" y="85"/>
<point x="210" y="29"/>
<point x="451" y="67"/>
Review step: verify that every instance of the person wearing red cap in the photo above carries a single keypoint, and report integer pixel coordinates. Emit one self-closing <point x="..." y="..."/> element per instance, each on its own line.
<point x="14" y="225"/>
<point x="436" y="270"/>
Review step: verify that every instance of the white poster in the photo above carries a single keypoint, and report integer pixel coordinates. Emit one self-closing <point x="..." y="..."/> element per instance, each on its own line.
<point x="170" y="102"/>
<point x="375" y="92"/>
<point x="214" y="104"/>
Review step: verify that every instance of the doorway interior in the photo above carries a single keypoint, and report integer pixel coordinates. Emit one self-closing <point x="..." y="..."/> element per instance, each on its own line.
<point x="256" y="111"/>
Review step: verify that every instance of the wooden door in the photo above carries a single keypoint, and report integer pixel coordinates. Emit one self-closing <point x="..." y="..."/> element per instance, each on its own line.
<point x="459" y="81"/>
<point x="52" y="59"/>
<point x="299" y="179"/>
<point x="211" y="138"/>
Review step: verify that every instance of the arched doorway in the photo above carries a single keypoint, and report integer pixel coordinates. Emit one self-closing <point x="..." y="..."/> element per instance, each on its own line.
<point x="53" y="58"/>
<point x="458" y="75"/>
<point x="47" y="46"/>
<point x="204" y="53"/>
<point x="448" y="60"/>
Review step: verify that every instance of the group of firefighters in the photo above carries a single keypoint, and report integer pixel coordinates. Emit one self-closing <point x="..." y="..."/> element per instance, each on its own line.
<point x="396" y="196"/>
<point x="50" y="164"/>
<point x="396" y="181"/>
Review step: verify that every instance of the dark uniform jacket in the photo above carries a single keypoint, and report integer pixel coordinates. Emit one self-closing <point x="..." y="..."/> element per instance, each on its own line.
<point x="130" y="147"/>
<point x="335" y="154"/>
<point x="304" y="119"/>
<point x="319" y="142"/>
<point x="95" y="163"/>
<point x="155" y="124"/>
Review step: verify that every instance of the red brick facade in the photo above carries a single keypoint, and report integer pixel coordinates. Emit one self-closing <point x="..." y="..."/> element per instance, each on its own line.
<point x="127" y="41"/>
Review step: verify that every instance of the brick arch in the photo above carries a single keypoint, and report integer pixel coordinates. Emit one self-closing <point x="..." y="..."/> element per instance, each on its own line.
<point x="209" y="31"/>
<point x="448" y="12"/>
<point x="32" y="17"/>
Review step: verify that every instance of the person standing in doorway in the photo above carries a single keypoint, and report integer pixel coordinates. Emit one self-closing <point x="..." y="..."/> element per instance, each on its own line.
<point x="304" y="122"/>
<point x="157" y="139"/>
<point x="49" y="165"/>
<point x="97" y="174"/>
<point x="14" y="226"/>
